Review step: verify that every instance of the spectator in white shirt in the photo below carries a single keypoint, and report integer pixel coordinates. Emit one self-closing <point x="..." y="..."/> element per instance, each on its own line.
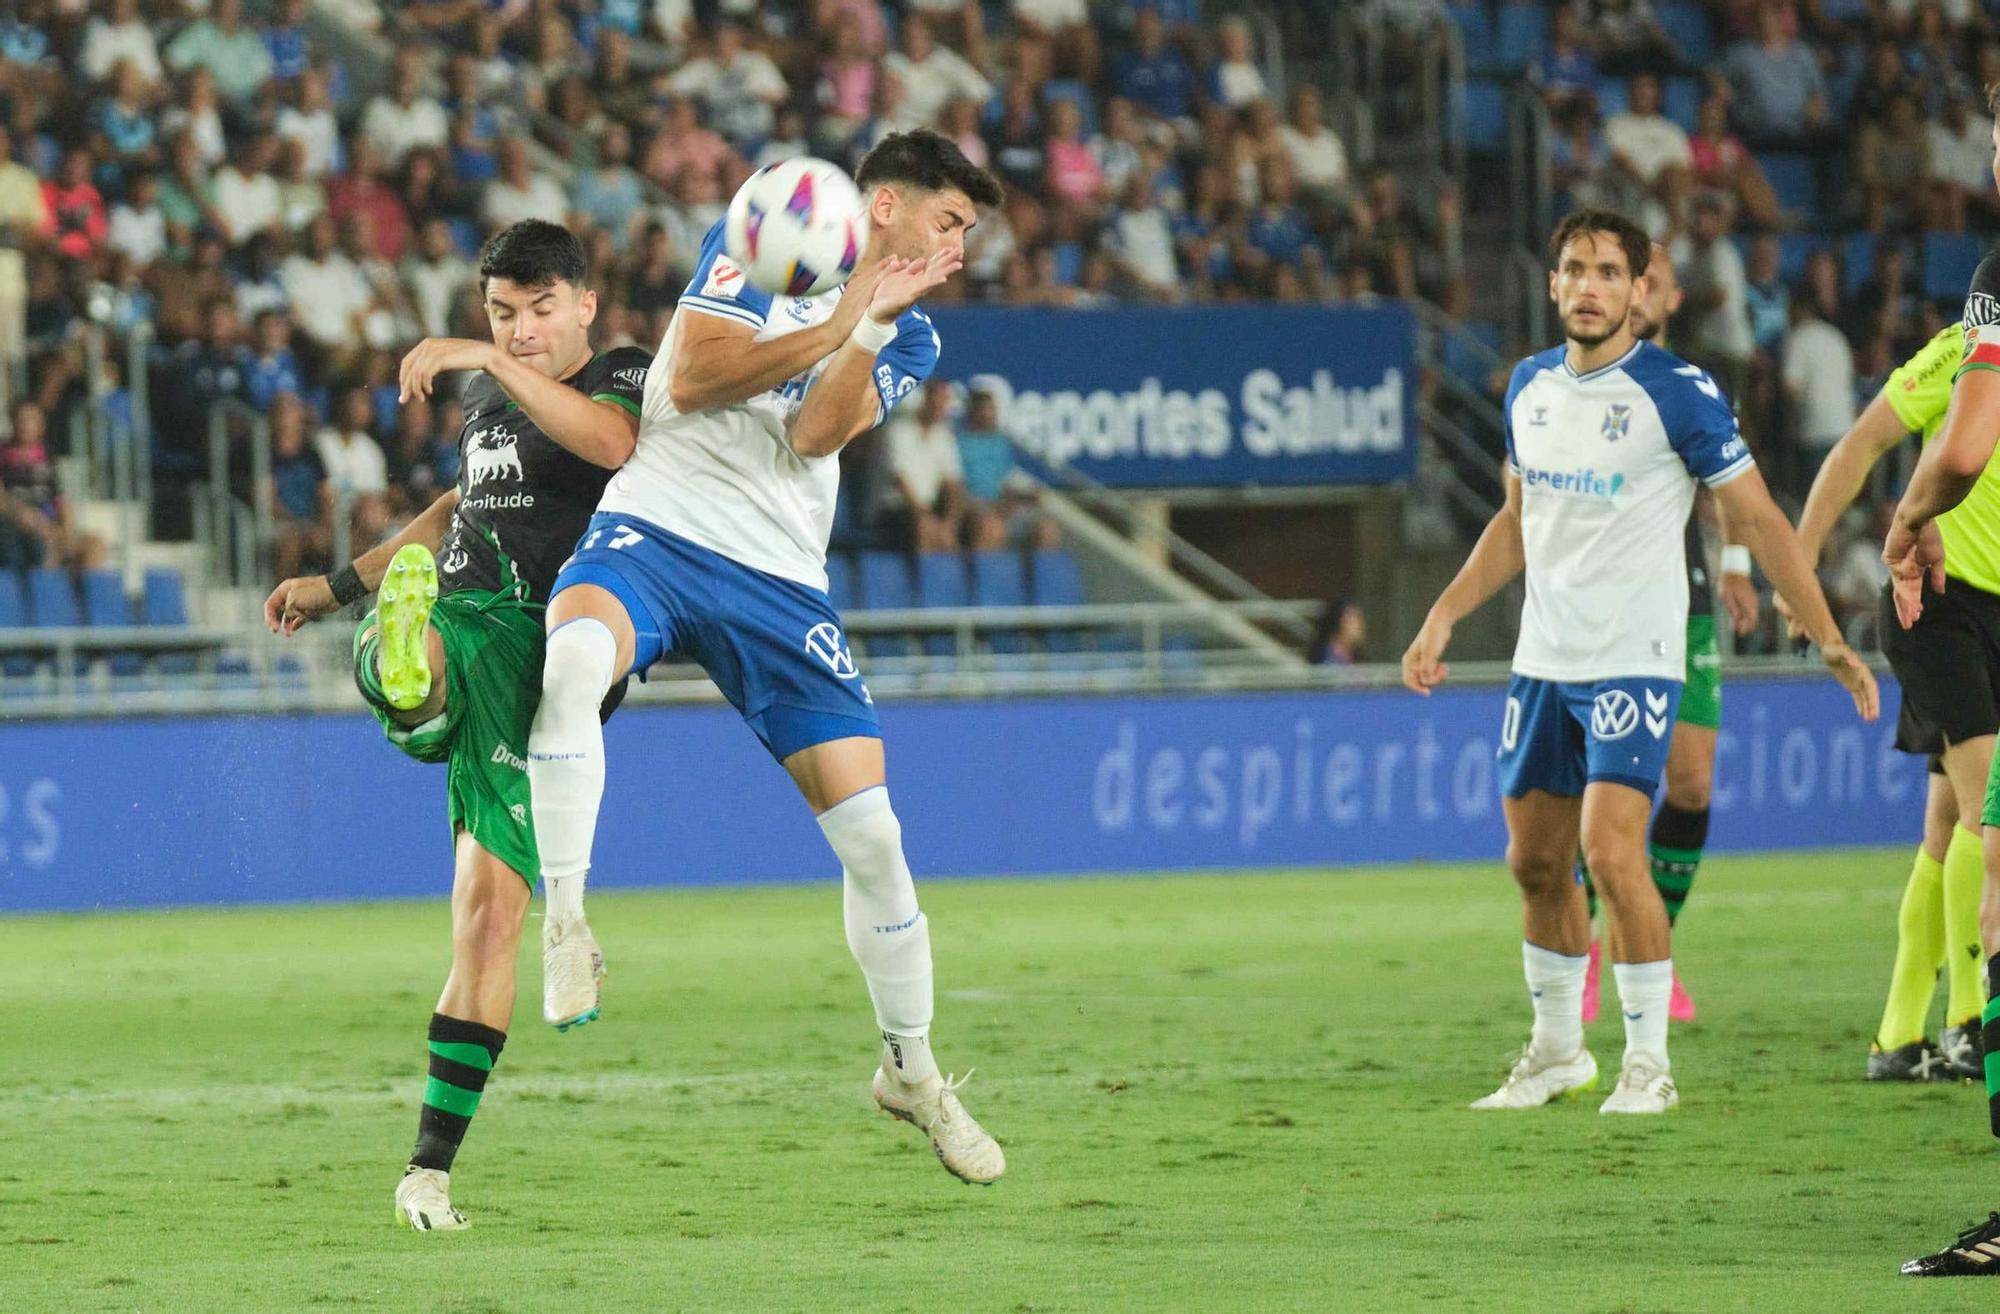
<point x="407" y="118"/>
<point x="1961" y="160"/>
<point x="1234" y="79"/>
<point x="199" y="115"/>
<point x="932" y="75"/>
<point x="1650" y="148"/>
<point x="328" y="292"/>
<point x="356" y="469"/>
<point x="927" y="495"/>
<point x="739" y="88"/>
<point x="1119" y="145"/>
<point x="520" y="192"/>
<point x="125" y="35"/>
<point x="1141" y="242"/>
<point x="1054" y="37"/>
<point x="138" y="228"/>
<point x="1818" y="374"/>
<point x="245" y="196"/>
<point x="437" y="277"/>
<point x="312" y="125"/>
<point x="1717" y="309"/>
<point x="1319" y="159"/>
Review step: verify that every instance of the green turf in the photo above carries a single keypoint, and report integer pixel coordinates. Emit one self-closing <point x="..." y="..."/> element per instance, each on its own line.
<point x="1216" y="1093"/>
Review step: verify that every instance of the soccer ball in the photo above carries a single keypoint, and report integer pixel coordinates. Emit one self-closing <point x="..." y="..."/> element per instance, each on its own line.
<point x="796" y="228"/>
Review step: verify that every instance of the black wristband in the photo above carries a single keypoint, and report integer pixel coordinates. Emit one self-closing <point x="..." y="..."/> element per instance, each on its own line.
<point x="347" y="586"/>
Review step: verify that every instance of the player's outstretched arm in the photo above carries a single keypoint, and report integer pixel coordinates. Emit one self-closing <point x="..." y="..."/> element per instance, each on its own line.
<point x="1840" y="480"/>
<point x="309" y="597"/>
<point x="846" y="403"/>
<point x="1495" y="560"/>
<point x="712" y="361"/>
<point x="599" y="432"/>
<point x="1763" y="528"/>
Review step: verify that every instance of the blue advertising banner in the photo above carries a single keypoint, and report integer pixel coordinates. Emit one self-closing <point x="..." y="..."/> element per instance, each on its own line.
<point x="226" y="809"/>
<point x="1161" y="397"/>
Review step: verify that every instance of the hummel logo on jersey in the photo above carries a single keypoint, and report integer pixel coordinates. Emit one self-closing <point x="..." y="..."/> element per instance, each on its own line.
<point x="1656" y="714"/>
<point x="1613" y="715"/>
<point x="1617" y="421"/>
<point x="824" y="641"/>
<point x="1701" y="381"/>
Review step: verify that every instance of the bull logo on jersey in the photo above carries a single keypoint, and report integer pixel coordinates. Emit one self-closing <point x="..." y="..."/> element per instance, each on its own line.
<point x="492" y="454"/>
<point x="1613" y="715"/>
<point x="826" y="642"/>
<point x="1617" y="421"/>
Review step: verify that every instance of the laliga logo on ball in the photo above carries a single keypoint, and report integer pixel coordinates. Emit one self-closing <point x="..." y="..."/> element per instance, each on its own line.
<point x="796" y="228"/>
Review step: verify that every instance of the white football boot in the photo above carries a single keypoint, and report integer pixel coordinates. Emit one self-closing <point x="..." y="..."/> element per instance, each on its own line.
<point x="931" y="1105"/>
<point x="572" y="967"/>
<point x="1645" y="1086"/>
<point x="1536" y="1080"/>
<point x="423" y="1201"/>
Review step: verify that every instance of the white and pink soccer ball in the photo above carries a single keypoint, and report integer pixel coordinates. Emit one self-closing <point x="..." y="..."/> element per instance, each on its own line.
<point x="796" y="228"/>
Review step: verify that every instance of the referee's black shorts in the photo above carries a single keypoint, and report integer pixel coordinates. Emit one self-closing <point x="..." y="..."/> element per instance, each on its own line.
<point x="1948" y="665"/>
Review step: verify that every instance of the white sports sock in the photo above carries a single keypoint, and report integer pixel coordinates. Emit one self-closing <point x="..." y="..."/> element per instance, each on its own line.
<point x="566" y="757"/>
<point x="1555" y="983"/>
<point x="1643" y="991"/>
<point x="886" y="931"/>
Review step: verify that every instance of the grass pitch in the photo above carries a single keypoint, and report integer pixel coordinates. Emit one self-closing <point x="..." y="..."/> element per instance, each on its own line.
<point x="1216" y="1093"/>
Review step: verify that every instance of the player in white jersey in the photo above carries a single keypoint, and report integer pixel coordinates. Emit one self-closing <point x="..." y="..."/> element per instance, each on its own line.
<point x="1607" y="437"/>
<point x="711" y="545"/>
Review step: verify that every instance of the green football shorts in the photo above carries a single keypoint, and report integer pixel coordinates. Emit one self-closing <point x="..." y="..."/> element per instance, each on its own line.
<point x="1701" y="697"/>
<point x="493" y="647"/>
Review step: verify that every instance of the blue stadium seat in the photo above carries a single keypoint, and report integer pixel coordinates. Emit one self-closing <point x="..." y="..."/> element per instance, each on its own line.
<point x="163" y="601"/>
<point x="1482" y="117"/>
<point x="1475" y="31"/>
<point x="885" y="586"/>
<point x="1462" y="357"/>
<point x="52" y="598"/>
<point x="1949" y="259"/>
<point x="941" y="583"/>
<point x="999" y="581"/>
<point x="840" y="581"/>
<point x="1057" y="581"/>
<point x="105" y="603"/>
<point x="1792" y="178"/>
<point x="1857" y="262"/>
<point x="1069" y="263"/>
<point x="1614" y="96"/>
<point x="14" y="616"/>
<point x="1682" y="103"/>
<point x="1520" y="35"/>
<point x="1794" y="249"/>
<point x="1688" y="25"/>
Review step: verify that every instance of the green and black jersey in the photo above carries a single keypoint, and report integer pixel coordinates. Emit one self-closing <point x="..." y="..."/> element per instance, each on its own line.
<point x="519" y="489"/>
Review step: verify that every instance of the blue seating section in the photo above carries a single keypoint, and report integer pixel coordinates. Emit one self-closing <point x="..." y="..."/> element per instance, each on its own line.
<point x="1483" y="117"/>
<point x="50" y="598"/>
<point x="1949" y="260"/>
<point x="883" y="581"/>
<point x="1792" y="178"/>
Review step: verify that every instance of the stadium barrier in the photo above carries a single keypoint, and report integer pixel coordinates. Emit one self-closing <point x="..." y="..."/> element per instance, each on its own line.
<point x="223" y="809"/>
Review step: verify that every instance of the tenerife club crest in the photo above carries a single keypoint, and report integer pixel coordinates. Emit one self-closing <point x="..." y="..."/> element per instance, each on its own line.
<point x="1617" y="421"/>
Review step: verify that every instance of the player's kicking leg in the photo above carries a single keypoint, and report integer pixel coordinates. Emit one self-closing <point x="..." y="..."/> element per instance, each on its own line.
<point x="1542" y="833"/>
<point x="489" y="905"/>
<point x="844" y="782"/>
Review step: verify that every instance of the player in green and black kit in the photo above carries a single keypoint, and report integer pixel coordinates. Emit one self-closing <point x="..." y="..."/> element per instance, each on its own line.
<point x="451" y="660"/>
<point x="1680" y="828"/>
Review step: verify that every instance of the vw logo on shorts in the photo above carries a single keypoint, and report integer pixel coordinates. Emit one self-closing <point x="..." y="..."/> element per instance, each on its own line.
<point x="1613" y="715"/>
<point x="824" y="641"/>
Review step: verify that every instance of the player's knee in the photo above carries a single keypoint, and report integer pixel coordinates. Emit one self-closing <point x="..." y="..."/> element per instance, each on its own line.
<point x="578" y="666"/>
<point x="866" y="834"/>
<point x="486" y="936"/>
<point x="1690" y="790"/>
<point x="1539" y="872"/>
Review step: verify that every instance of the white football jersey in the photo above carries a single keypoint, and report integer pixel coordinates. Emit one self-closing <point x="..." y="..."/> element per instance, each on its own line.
<point x="1608" y="463"/>
<point x="727" y="478"/>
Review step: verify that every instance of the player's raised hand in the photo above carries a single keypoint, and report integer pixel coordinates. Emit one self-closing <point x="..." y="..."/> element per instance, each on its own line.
<point x="435" y="356"/>
<point x="1739" y="599"/>
<point x="1424" y="667"/>
<point x="1913" y="555"/>
<point x="1854" y="676"/>
<point x="296" y="601"/>
<point x="903" y="288"/>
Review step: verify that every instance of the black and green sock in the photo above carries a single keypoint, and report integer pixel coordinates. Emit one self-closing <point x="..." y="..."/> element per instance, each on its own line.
<point x="462" y="1057"/>
<point x="368" y="670"/>
<point x="1989" y="1030"/>
<point x="1679" y="835"/>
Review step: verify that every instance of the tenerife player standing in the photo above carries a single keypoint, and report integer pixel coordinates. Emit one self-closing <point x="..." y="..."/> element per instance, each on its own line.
<point x="1607" y="438"/>
<point x="711" y="545"/>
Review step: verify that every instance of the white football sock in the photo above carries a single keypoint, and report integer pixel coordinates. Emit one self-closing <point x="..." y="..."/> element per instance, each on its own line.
<point x="886" y="931"/>
<point x="566" y="757"/>
<point x="1643" y="991"/>
<point x="1555" y="983"/>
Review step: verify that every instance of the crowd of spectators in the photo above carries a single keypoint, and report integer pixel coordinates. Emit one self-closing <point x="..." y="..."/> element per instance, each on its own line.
<point x="216" y="172"/>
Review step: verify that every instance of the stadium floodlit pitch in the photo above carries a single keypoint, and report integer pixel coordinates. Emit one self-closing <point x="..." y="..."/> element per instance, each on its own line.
<point x="1217" y="1093"/>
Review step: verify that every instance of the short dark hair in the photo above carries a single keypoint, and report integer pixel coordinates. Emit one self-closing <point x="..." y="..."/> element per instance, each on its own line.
<point x="1637" y="244"/>
<point x="1993" y="98"/>
<point x="533" y="253"/>
<point x="929" y="160"/>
